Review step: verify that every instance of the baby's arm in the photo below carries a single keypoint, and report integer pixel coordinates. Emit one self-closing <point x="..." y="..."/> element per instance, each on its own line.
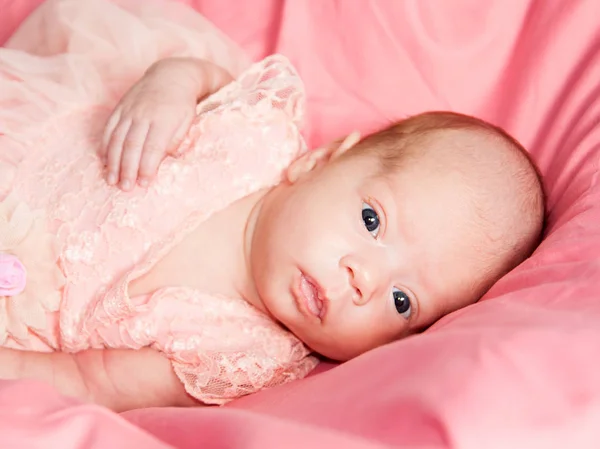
<point x="153" y="117"/>
<point x="116" y="378"/>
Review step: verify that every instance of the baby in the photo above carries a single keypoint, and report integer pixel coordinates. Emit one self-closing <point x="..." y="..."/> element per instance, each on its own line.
<point x="349" y="247"/>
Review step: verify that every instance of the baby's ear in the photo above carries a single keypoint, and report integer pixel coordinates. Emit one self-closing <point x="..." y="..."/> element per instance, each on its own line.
<point x="352" y="139"/>
<point x="311" y="159"/>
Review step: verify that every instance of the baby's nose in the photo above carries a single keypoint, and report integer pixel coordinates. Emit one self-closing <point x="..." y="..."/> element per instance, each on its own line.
<point x="362" y="279"/>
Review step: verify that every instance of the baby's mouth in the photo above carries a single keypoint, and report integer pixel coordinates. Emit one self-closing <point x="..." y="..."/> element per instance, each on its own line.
<point x="312" y="296"/>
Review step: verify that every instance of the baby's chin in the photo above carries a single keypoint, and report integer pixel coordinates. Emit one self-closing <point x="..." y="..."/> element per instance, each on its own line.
<point x="334" y="350"/>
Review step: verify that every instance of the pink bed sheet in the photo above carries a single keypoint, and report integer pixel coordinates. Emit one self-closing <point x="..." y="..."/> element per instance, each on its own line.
<point x="519" y="369"/>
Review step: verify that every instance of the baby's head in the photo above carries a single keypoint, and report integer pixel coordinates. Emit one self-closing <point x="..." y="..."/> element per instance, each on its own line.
<point x="369" y="241"/>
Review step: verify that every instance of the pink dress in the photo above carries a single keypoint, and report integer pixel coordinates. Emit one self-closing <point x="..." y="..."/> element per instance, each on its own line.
<point x="82" y="241"/>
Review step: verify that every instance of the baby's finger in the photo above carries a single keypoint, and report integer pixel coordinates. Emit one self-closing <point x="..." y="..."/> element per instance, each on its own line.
<point x="111" y="124"/>
<point x="155" y="148"/>
<point x="115" y="148"/>
<point x="132" y="153"/>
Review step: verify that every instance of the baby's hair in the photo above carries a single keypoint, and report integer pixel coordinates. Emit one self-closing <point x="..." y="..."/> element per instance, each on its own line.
<point x="394" y="143"/>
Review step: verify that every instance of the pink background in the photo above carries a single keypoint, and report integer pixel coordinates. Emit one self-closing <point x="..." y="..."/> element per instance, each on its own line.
<point x="519" y="369"/>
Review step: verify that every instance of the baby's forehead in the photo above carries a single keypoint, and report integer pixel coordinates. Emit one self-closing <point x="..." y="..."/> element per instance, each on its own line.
<point x="467" y="166"/>
<point x="461" y="180"/>
<point x="482" y="159"/>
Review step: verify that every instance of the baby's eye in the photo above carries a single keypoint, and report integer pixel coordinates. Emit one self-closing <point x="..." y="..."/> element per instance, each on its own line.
<point x="402" y="303"/>
<point x="370" y="219"/>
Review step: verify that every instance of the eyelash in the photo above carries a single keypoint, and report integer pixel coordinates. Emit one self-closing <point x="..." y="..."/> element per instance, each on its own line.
<point x="380" y="214"/>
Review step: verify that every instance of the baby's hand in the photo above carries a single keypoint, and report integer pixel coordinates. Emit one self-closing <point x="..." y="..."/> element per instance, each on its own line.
<point x="154" y="116"/>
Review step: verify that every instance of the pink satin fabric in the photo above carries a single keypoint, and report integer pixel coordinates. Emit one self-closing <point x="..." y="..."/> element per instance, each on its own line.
<point x="519" y="369"/>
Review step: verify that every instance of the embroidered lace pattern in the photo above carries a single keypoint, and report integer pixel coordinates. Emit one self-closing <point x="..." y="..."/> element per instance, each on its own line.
<point x="241" y="140"/>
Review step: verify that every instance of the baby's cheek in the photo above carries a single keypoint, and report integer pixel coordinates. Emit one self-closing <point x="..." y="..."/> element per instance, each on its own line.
<point x="363" y="328"/>
<point x="446" y="306"/>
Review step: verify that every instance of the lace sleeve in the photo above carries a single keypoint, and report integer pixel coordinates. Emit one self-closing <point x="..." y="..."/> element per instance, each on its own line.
<point x="220" y="348"/>
<point x="239" y="353"/>
<point x="217" y="378"/>
<point x="271" y="86"/>
<point x="272" y="83"/>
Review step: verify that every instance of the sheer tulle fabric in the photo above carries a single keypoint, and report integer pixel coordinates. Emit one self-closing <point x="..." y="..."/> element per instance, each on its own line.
<point x="82" y="241"/>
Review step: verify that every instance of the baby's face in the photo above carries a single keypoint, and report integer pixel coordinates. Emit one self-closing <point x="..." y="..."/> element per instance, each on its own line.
<point x="349" y="259"/>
